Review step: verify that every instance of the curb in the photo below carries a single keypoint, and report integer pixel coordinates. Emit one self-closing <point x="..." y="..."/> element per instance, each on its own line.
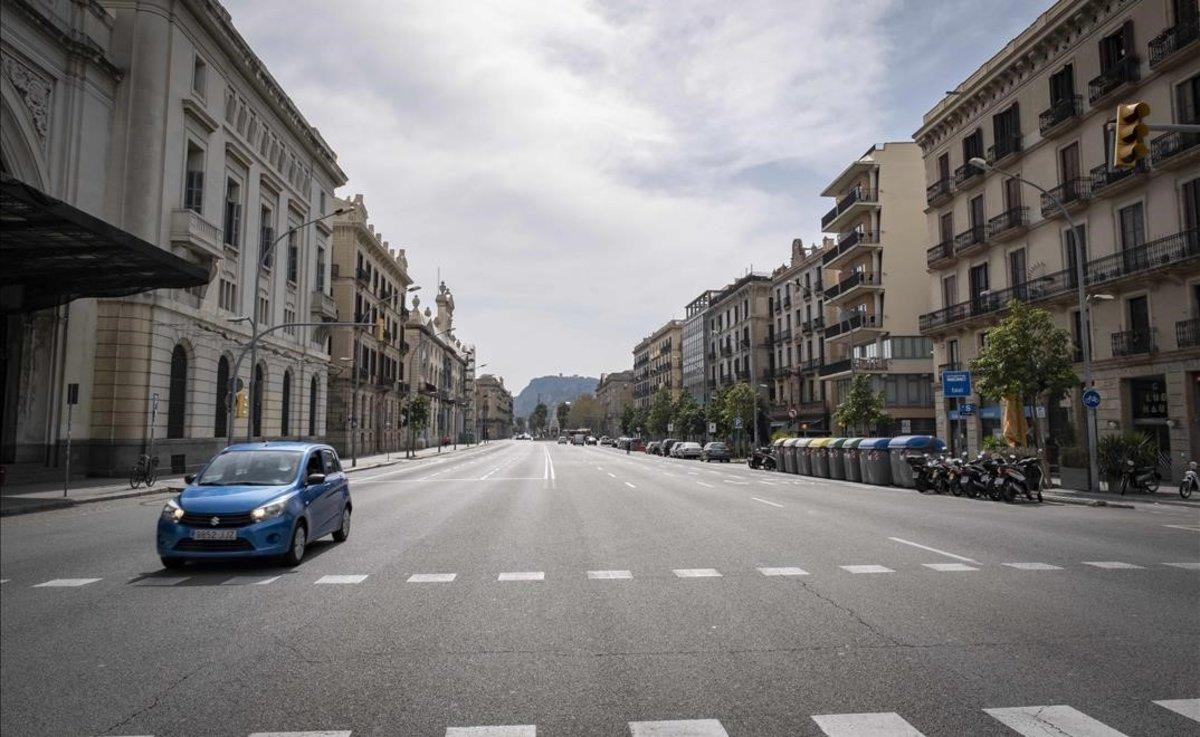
<point x="1086" y="502"/>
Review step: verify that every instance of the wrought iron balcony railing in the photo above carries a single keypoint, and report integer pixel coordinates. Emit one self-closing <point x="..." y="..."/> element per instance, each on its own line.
<point x="1059" y="112"/>
<point x="1187" y="333"/>
<point x="1007" y="221"/>
<point x="1123" y="72"/>
<point x="1133" y="342"/>
<point x="1077" y="189"/>
<point x="1166" y="44"/>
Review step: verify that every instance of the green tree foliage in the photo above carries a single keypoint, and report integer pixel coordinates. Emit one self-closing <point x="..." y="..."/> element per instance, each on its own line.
<point x="660" y="413"/>
<point x="562" y="414"/>
<point x="714" y="412"/>
<point x="417" y="412"/>
<point x="688" y="417"/>
<point x="537" y="420"/>
<point x="739" y="402"/>
<point x="629" y="420"/>
<point x="862" y="408"/>
<point x="587" y="412"/>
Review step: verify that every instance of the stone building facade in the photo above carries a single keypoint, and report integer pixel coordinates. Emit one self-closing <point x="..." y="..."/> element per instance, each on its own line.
<point x="438" y="367"/>
<point x="1039" y="109"/>
<point x="739" y="341"/>
<point x="493" y="408"/>
<point x="658" y="363"/>
<point x="614" y="392"/>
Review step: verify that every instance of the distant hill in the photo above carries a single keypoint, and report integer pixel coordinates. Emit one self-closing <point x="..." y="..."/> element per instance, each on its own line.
<point x="553" y="390"/>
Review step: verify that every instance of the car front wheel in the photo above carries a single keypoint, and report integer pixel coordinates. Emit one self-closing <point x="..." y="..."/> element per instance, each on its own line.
<point x="343" y="532"/>
<point x="172" y="563"/>
<point x="295" y="552"/>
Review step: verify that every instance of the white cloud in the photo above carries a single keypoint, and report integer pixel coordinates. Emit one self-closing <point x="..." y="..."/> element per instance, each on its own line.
<point x="580" y="171"/>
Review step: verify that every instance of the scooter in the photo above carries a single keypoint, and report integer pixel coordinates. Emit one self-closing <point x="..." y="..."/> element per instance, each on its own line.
<point x="1190" y="482"/>
<point x="1144" y="479"/>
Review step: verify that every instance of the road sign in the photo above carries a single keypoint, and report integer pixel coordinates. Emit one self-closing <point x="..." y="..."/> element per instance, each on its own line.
<point x="956" y="383"/>
<point x="965" y="409"/>
<point x="792" y="413"/>
<point x="1091" y="399"/>
<point x="670" y="427"/>
<point x="712" y="428"/>
<point x="737" y="423"/>
<point x="905" y="427"/>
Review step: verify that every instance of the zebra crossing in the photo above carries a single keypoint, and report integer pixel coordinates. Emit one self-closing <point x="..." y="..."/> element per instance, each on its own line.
<point x="211" y="578"/>
<point x="1049" y="720"/>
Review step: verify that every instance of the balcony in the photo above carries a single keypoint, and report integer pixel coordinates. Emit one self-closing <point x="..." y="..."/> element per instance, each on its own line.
<point x="323" y="307"/>
<point x="971" y="240"/>
<point x="837" y="367"/>
<point x="783" y="336"/>
<point x="1060" y="116"/>
<point x="860" y="199"/>
<point x="939" y="192"/>
<point x="1187" y="333"/>
<point x="951" y="366"/>
<point x="861" y="365"/>
<point x="1165" y="48"/>
<point x="849" y="247"/>
<point x="1120" y="75"/>
<point x="192" y="233"/>
<point x="1008" y="224"/>
<point x="1174" y="149"/>
<point x="778" y="308"/>
<point x="1004" y="149"/>
<point x="940" y="255"/>
<point x="852" y="286"/>
<point x="967" y="174"/>
<point x="858" y="322"/>
<point x="360" y="274"/>
<point x="1106" y="182"/>
<point x="787" y="303"/>
<point x="1133" y="342"/>
<point x="1073" y="194"/>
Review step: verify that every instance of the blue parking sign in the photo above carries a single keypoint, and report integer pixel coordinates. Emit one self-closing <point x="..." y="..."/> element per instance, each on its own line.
<point x="956" y="383"/>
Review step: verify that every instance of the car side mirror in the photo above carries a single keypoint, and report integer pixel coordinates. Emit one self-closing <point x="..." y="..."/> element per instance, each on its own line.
<point x="315" y="478"/>
<point x="189" y="478"/>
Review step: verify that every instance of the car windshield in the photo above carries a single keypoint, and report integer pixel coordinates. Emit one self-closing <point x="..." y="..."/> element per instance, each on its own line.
<point x="251" y="468"/>
<point x="716" y="446"/>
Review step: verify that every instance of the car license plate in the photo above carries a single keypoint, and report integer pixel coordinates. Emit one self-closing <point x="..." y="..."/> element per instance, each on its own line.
<point x="214" y="534"/>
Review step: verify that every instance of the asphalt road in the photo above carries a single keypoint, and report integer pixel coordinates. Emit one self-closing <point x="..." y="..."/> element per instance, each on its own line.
<point x="583" y="591"/>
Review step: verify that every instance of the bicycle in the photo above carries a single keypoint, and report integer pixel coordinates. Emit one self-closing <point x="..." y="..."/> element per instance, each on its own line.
<point x="144" y="471"/>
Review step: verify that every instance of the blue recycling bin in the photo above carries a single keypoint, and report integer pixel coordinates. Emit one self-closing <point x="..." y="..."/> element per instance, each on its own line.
<point x="803" y="460"/>
<point x="837" y="466"/>
<point x="850" y="459"/>
<point x="874" y="461"/>
<point x="906" y="445"/>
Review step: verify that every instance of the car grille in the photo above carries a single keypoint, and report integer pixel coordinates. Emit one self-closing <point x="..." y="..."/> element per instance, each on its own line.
<point x="197" y="519"/>
<point x="213" y="546"/>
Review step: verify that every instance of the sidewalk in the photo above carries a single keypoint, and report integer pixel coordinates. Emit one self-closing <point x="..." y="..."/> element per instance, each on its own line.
<point x="26" y="498"/>
<point x="1167" y="495"/>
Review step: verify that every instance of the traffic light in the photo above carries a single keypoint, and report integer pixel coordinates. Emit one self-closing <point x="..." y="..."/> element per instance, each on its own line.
<point x="380" y="329"/>
<point x="1129" y="137"/>
<point x="241" y="404"/>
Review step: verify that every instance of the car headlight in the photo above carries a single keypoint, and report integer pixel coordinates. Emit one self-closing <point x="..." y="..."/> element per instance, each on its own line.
<point x="171" y="511"/>
<point x="271" y="509"/>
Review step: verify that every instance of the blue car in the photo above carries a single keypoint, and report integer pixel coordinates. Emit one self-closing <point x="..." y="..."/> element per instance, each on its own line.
<point x="257" y="500"/>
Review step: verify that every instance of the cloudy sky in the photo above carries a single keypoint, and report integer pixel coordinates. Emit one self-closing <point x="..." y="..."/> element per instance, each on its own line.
<point x="579" y="171"/>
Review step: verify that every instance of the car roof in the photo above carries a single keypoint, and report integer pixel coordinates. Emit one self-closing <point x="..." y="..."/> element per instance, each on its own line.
<point x="276" y="445"/>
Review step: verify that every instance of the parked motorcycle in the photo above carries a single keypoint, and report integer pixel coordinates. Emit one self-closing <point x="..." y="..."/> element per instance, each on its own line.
<point x="762" y="458"/>
<point x="1190" y="482"/>
<point x="1141" y="478"/>
<point x="1034" y="478"/>
<point x="923" y="472"/>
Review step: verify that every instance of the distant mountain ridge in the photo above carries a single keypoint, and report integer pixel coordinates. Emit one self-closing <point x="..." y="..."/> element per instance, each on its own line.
<point x="553" y="390"/>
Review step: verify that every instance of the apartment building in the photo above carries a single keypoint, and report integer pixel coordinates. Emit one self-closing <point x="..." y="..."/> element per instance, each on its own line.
<point x="370" y="285"/>
<point x="657" y="363"/>
<point x="695" y="346"/>
<point x="438" y="367"/>
<point x="493" y="408"/>
<point x="872" y="271"/>
<point x="739" y="341"/>
<point x="797" y="307"/>
<point x="1038" y="109"/>
<point x="614" y="392"/>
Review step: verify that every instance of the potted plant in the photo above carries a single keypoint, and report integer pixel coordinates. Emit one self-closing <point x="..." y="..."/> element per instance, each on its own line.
<point x="1073" y="467"/>
<point x="1114" y="450"/>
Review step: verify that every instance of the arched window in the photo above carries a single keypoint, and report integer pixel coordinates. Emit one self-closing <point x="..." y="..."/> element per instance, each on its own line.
<point x="312" y="407"/>
<point x="259" y="389"/>
<point x="177" y="394"/>
<point x="285" y="414"/>
<point x="221" y="421"/>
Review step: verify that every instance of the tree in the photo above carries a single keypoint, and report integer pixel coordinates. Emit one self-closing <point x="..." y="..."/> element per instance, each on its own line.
<point x="862" y="407"/>
<point x="587" y="412"/>
<point x="714" y="412"/>
<point x="629" y="420"/>
<point x="1026" y="356"/>
<point x="738" y="403"/>
<point x="660" y="413"/>
<point x="561" y="413"/>
<point x="688" y="417"/>
<point x="537" y="419"/>
<point x="416" y="415"/>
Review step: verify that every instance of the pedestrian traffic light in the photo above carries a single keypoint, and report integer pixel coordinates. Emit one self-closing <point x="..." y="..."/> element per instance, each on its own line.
<point x="1129" y="137"/>
<point x="380" y="329"/>
<point x="242" y="404"/>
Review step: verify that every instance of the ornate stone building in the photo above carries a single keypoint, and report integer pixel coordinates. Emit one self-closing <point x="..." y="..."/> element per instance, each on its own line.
<point x="658" y="363"/>
<point x="493" y="410"/>
<point x="438" y="367"/>
<point x="614" y="392"/>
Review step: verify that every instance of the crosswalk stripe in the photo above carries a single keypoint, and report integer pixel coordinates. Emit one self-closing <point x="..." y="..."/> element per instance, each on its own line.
<point x="522" y="576"/>
<point x="678" y="728"/>
<point x="432" y="577"/>
<point x="867" y="569"/>
<point x="783" y="571"/>
<point x="160" y="580"/>
<point x="1109" y="564"/>
<point x="1033" y="566"/>
<point x="321" y="733"/>
<point x="251" y="580"/>
<point x="525" y="730"/>
<point x="697" y="572"/>
<point x="609" y="574"/>
<point x="883" y="724"/>
<point x="65" y="582"/>
<point x="1189" y="708"/>
<point x="341" y="579"/>
<point x="948" y="567"/>
<point x="1051" y="721"/>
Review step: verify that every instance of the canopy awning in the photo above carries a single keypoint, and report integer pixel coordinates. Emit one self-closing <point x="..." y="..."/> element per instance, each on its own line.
<point x="53" y="253"/>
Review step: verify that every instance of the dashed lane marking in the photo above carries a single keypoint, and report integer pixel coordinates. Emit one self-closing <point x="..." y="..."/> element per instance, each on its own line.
<point x="630" y="485"/>
<point x="342" y="579"/>
<point x="1064" y="721"/>
<point x="1185" y="566"/>
<point x="609" y="575"/>
<point x="1110" y="564"/>
<point x="678" y="728"/>
<point x="522" y="576"/>
<point x="323" y="733"/>
<point x="783" y="571"/>
<point x="867" y="569"/>
<point x="250" y="580"/>
<point x="1189" y="708"/>
<point x="963" y="558"/>
<point x="525" y="730"/>
<point x="765" y="501"/>
<point x="432" y="577"/>
<point x="159" y="580"/>
<point x="887" y="724"/>
<point x="710" y="486"/>
<point x="697" y="572"/>
<point x="65" y="583"/>
<point x="949" y="567"/>
<point x="1033" y="566"/>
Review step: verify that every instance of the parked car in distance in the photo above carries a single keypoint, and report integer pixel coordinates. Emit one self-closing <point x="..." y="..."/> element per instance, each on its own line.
<point x="653" y="447"/>
<point x="687" y="449"/>
<point x="523" y="436"/>
<point x="637" y="444"/>
<point x="590" y="440"/>
<point x="715" y="451"/>
<point x="666" y="445"/>
<point x="605" y="440"/>
<point x="562" y="439"/>
<point x="257" y="500"/>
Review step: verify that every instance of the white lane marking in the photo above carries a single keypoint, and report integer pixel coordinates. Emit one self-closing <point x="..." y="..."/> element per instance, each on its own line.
<point x="710" y="486"/>
<point x="611" y="474"/>
<point x="1046" y="721"/>
<point x="1034" y="566"/>
<point x="4" y="580"/>
<point x="697" y="572"/>
<point x="950" y="567"/>
<point x="432" y="577"/>
<point x="764" y="501"/>
<point x="630" y="485"/>
<point x="352" y="578"/>
<point x="609" y="574"/>
<point x="1189" y="708"/>
<point x="783" y="571"/>
<point x="522" y="576"/>
<point x="524" y="730"/>
<point x="489" y="473"/>
<point x="1189" y="528"/>
<point x="885" y="724"/>
<point x="867" y="569"/>
<point x="678" y="728"/>
<point x="963" y="558"/>
<point x="1187" y="566"/>
<point x="323" y="733"/>
<point x="250" y="580"/>
<point x="65" y="582"/>
<point x="160" y="580"/>
<point x="1110" y="564"/>
<point x="766" y="483"/>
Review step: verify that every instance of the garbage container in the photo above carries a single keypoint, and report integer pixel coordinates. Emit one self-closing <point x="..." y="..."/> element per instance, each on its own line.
<point x="837" y="468"/>
<point x="850" y="459"/>
<point x="777" y="453"/>
<point x="905" y="445"/>
<point x="803" y="460"/>
<point x="874" y="461"/>
<point x="819" y="456"/>
<point x="787" y="456"/>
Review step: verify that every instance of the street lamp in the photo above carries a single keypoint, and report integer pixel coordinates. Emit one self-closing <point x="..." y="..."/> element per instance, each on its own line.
<point x="1085" y="317"/>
